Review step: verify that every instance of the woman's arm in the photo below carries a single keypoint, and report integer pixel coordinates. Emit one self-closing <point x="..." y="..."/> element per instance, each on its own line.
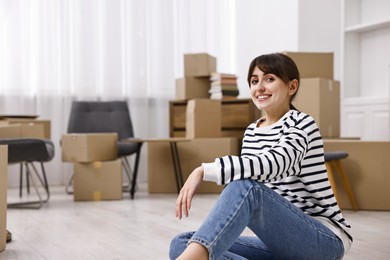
<point x="282" y="157"/>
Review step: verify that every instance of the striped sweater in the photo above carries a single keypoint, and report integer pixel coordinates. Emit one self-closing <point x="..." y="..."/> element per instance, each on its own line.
<point x="288" y="157"/>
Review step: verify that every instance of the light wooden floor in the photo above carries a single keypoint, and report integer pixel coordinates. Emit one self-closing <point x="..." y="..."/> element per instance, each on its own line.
<point x="140" y="228"/>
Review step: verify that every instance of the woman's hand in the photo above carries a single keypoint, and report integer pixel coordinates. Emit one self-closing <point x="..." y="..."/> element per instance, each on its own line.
<point x="183" y="202"/>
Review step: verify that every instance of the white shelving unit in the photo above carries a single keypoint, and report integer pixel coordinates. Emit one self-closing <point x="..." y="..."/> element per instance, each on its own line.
<point x="365" y="73"/>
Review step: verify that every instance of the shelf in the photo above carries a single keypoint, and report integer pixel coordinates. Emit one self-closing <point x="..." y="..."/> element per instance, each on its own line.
<point x="364" y="27"/>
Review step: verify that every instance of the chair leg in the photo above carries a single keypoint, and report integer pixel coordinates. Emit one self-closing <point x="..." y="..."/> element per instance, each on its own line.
<point x="21" y="180"/>
<point x="346" y="184"/>
<point x="331" y="180"/>
<point x="127" y="170"/>
<point x="135" y="172"/>
<point x="36" y="204"/>
<point x="45" y="179"/>
<point x="27" y="182"/>
<point x="68" y="185"/>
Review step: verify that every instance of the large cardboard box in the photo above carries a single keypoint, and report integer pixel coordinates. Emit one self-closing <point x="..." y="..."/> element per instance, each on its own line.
<point x="192" y="87"/>
<point x="199" y="64"/>
<point x="21" y="131"/>
<point x="43" y="124"/>
<point x="3" y="195"/>
<point x="203" y="118"/>
<point x="313" y="64"/>
<point x="101" y="180"/>
<point x="89" y="147"/>
<point x="320" y="98"/>
<point x="161" y="177"/>
<point x="368" y="170"/>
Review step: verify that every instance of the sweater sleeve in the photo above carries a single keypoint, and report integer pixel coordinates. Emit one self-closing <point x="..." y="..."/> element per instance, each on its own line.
<point x="279" y="158"/>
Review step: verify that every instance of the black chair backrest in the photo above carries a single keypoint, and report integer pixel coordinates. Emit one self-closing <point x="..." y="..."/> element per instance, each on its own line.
<point x="101" y="117"/>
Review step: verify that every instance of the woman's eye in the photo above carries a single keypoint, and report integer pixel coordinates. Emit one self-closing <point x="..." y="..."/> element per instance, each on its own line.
<point x="254" y="81"/>
<point x="269" y="79"/>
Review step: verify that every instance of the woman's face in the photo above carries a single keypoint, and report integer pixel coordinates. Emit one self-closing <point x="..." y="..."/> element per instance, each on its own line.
<point x="269" y="93"/>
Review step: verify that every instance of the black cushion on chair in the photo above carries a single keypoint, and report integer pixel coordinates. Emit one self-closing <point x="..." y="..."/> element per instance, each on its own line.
<point x="335" y="155"/>
<point x="28" y="149"/>
<point x="126" y="148"/>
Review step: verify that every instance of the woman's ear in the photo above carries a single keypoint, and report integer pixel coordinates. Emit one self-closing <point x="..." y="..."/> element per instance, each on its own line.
<point x="293" y="87"/>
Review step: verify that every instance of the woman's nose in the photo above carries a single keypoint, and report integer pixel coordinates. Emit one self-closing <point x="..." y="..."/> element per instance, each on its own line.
<point x="260" y="87"/>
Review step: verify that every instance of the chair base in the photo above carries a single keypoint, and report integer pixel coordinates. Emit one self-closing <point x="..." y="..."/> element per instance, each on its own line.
<point x="31" y="171"/>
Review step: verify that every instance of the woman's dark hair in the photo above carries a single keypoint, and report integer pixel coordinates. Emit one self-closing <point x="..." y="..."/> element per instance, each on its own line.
<point x="278" y="64"/>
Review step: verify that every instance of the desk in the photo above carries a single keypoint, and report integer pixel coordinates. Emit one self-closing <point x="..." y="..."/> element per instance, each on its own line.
<point x="175" y="157"/>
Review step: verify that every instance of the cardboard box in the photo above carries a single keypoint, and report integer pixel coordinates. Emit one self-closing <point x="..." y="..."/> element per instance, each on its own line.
<point x="320" y="98"/>
<point x="161" y="177"/>
<point x="236" y="115"/>
<point x="89" y="147"/>
<point x="203" y="118"/>
<point x="9" y="131"/>
<point x="43" y="124"/>
<point x="97" y="181"/>
<point x="199" y="64"/>
<point x="192" y="87"/>
<point x="21" y="131"/>
<point x="368" y="170"/>
<point x="3" y="195"/>
<point x="313" y="64"/>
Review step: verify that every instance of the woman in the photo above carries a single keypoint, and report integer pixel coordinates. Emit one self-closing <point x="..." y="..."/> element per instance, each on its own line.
<point x="278" y="187"/>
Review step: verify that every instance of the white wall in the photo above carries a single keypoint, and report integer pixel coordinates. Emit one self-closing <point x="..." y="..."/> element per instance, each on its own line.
<point x="262" y="27"/>
<point x="319" y="28"/>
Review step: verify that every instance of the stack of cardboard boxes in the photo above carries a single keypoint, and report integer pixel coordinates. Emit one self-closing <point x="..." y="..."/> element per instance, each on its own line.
<point x="196" y="81"/>
<point x="201" y="118"/>
<point x="367" y="165"/>
<point x="319" y="93"/>
<point x="97" y="171"/>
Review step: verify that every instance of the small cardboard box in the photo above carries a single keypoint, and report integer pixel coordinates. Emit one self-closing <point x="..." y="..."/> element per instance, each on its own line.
<point x="313" y="64"/>
<point x="199" y="64"/>
<point x="320" y="98"/>
<point x="89" y="147"/>
<point x="97" y="181"/>
<point x="368" y="170"/>
<point x="161" y="178"/>
<point x="192" y="87"/>
<point x="42" y="124"/>
<point x="21" y="131"/>
<point x="3" y="195"/>
<point x="203" y="118"/>
<point x="9" y="131"/>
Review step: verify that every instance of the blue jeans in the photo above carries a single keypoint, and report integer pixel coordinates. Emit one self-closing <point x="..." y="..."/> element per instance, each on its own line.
<point x="282" y="230"/>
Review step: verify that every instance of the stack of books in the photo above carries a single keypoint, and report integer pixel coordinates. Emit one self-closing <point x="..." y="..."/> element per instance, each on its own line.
<point x="223" y="85"/>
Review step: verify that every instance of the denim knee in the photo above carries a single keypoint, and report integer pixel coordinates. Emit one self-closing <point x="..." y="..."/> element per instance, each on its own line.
<point x="179" y="244"/>
<point x="242" y="186"/>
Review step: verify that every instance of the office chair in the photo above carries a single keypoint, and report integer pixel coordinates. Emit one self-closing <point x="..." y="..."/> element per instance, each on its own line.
<point x="27" y="151"/>
<point x="108" y="117"/>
